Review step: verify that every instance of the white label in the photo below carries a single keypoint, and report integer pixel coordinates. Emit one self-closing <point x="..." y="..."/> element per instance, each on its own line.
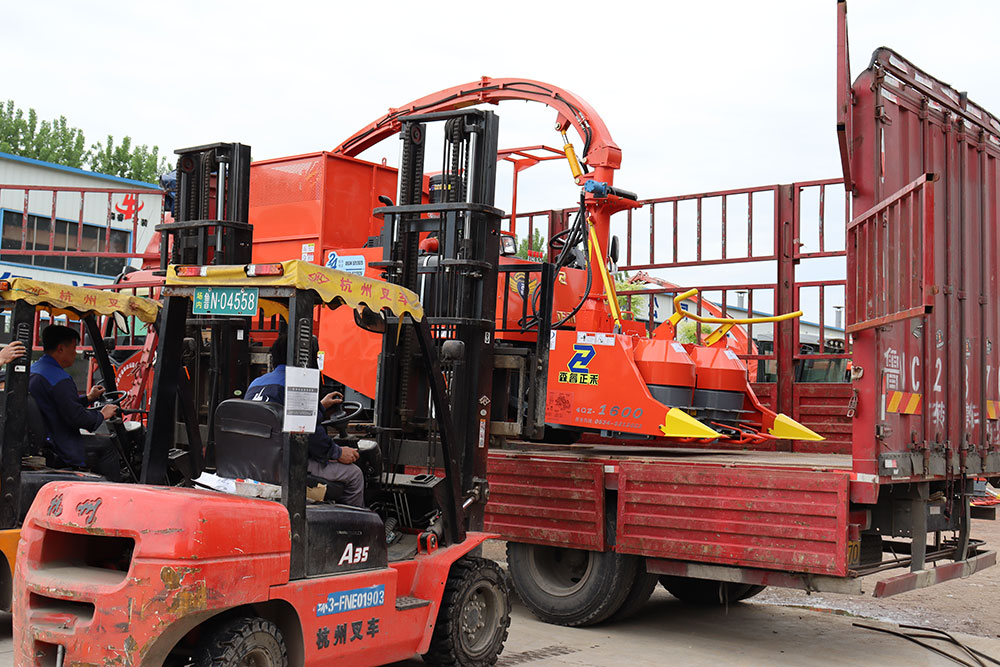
<point x="678" y="348"/>
<point x="732" y="355"/>
<point x="301" y="399"/>
<point x="350" y="263"/>
<point x="935" y="509"/>
<point x="320" y="357"/>
<point x="308" y="252"/>
<point x="587" y="338"/>
<point x="892" y="365"/>
<point x="354" y="556"/>
<point x="482" y="433"/>
<point x="552" y="340"/>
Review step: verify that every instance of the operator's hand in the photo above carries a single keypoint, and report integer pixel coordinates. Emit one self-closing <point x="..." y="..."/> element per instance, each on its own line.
<point x="95" y="392"/>
<point x="109" y="411"/>
<point x="13" y="351"/>
<point x="348" y="455"/>
<point x="332" y="399"/>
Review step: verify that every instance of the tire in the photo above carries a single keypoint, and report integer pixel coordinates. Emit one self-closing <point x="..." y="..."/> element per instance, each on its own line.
<point x="244" y="640"/>
<point x="570" y="586"/>
<point x="472" y="623"/>
<point x="638" y="595"/>
<point x="708" y="592"/>
<point x="752" y="590"/>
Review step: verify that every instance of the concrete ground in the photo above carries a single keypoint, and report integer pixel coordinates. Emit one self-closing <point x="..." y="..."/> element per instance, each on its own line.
<point x="778" y="627"/>
<point x="667" y="632"/>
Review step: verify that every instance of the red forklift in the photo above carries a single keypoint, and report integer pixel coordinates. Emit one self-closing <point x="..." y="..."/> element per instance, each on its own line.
<point x="186" y="576"/>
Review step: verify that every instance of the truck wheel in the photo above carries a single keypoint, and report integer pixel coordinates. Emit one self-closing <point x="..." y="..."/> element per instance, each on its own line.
<point x="570" y="586"/>
<point x="708" y="591"/>
<point x="638" y="595"/>
<point x="243" y="642"/>
<point x="472" y="623"/>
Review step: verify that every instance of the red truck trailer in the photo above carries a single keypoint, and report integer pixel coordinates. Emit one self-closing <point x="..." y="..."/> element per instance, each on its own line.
<point x="915" y="422"/>
<point x="904" y="392"/>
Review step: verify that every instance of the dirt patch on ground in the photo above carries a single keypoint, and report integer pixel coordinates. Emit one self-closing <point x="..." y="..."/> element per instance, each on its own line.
<point x="964" y="605"/>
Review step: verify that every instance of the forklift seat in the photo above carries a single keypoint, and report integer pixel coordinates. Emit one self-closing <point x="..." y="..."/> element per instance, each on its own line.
<point x="37" y="432"/>
<point x="248" y="445"/>
<point x="248" y="440"/>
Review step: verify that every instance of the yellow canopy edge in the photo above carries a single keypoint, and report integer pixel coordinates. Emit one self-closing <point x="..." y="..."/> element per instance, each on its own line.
<point x="331" y="285"/>
<point x="81" y="300"/>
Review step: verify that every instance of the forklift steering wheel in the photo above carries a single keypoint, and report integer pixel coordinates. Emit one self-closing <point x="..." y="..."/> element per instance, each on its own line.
<point x="343" y="413"/>
<point x="113" y="397"/>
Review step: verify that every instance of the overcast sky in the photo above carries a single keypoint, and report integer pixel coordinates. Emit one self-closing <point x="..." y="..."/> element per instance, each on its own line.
<point x="698" y="95"/>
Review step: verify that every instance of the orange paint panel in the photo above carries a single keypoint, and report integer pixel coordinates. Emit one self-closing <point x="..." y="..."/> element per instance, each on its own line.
<point x="594" y="383"/>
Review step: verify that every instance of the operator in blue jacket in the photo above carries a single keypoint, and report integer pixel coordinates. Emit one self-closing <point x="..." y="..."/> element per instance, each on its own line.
<point x="327" y="459"/>
<point x="65" y="411"/>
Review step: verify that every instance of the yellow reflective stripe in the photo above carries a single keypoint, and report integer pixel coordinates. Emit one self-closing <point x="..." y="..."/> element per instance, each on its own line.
<point x="913" y="405"/>
<point x="895" y="398"/>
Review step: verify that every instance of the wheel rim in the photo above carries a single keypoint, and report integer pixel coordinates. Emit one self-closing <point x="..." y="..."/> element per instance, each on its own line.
<point x="560" y="572"/>
<point x="480" y="617"/>
<point x="257" y="657"/>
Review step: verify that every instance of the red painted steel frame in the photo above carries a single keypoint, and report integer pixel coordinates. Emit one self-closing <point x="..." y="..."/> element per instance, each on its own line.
<point x="132" y="252"/>
<point x="822" y="407"/>
<point x="604" y="155"/>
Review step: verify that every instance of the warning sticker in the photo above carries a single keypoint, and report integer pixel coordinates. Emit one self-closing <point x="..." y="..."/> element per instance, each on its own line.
<point x="588" y="338"/>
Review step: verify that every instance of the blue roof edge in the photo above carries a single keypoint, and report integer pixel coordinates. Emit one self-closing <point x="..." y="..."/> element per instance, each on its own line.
<point x="80" y="172"/>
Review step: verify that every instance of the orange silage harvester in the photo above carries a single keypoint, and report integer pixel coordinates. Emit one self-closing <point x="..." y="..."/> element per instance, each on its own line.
<point x="603" y="374"/>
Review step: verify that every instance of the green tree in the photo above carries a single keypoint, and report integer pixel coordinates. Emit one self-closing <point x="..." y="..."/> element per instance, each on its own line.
<point x="622" y="285"/>
<point x="140" y="163"/>
<point x="537" y="245"/>
<point x="687" y="331"/>
<point x="55" y="141"/>
<point x="51" y="141"/>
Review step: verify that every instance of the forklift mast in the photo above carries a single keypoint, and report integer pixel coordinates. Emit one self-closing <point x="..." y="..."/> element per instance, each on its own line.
<point x="457" y="287"/>
<point x="210" y="227"/>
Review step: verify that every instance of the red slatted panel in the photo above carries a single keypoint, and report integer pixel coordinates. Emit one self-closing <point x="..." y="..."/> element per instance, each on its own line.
<point x="782" y="520"/>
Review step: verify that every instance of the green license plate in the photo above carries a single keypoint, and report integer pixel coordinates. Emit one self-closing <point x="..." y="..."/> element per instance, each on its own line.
<point x="225" y="301"/>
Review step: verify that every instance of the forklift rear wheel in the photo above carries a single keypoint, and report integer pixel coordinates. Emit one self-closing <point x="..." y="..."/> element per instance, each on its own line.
<point x="571" y="586"/>
<point x="474" y="616"/>
<point x="708" y="591"/>
<point x="243" y="642"/>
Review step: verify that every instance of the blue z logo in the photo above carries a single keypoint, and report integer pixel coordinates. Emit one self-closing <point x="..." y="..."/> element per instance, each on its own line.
<point x="579" y="362"/>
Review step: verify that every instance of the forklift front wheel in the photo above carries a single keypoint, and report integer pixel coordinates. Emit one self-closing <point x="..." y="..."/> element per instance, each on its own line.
<point x="475" y="613"/>
<point x="243" y="641"/>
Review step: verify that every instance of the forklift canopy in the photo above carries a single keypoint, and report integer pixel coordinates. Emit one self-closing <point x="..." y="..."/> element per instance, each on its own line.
<point x="334" y="287"/>
<point x="74" y="302"/>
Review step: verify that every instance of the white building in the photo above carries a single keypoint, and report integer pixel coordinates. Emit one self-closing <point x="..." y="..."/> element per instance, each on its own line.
<point x="72" y="210"/>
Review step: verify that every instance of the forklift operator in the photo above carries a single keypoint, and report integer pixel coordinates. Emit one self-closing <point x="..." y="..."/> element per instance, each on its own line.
<point x="327" y="459"/>
<point x="64" y="411"/>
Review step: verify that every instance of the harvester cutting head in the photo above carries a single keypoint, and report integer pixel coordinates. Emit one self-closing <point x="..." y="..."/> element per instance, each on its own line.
<point x="628" y="387"/>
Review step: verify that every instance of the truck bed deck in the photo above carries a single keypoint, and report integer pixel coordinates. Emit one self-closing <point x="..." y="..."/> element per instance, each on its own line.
<point x="729" y="458"/>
